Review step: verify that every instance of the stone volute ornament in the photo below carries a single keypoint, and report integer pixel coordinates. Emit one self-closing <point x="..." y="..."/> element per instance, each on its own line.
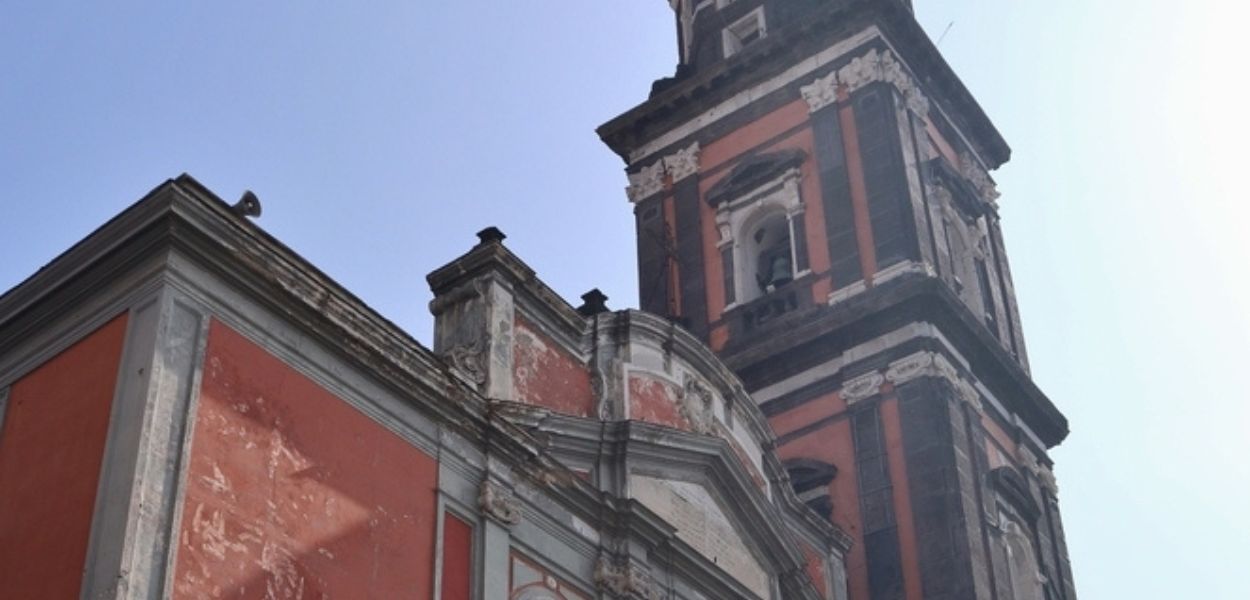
<point x="978" y="178"/>
<point x="650" y="179"/>
<point x="468" y="361"/>
<point x="624" y="581"/>
<point x="862" y="387"/>
<point x="695" y="405"/>
<point x="822" y="92"/>
<point x="499" y="504"/>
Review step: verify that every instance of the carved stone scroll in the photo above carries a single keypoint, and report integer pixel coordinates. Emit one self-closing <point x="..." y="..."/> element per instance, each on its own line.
<point x="861" y="388"/>
<point x="695" y="405"/>
<point x="499" y="504"/>
<point x="624" y="580"/>
<point x="650" y="179"/>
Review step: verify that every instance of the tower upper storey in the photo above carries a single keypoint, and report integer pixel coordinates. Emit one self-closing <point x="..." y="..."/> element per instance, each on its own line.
<point x="804" y="154"/>
<point x="709" y="31"/>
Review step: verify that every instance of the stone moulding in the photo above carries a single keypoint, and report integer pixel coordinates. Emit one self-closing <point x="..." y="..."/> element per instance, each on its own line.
<point x="873" y="66"/>
<point x="650" y="179"/>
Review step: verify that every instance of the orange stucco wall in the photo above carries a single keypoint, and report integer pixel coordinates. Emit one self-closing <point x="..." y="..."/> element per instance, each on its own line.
<point x="833" y="444"/>
<point x="716" y="161"/>
<point x="893" y="431"/>
<point x="457" y="558"/>
<point x="815" y="566"/>
<point x="654" y="400"/>
<point x="50" y="454"/>
<point x="859" y="188"/>
<point x="293" y="493"/>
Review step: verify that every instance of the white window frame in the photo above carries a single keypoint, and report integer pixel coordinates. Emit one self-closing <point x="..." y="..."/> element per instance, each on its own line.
<point x="734" y="217"/>
<point x="731" y="41"/>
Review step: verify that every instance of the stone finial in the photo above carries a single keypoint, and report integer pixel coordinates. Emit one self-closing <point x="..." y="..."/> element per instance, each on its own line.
<point x="247" y="206"/>
<point x="490" y="235"/>
<point x="593" y="303"/>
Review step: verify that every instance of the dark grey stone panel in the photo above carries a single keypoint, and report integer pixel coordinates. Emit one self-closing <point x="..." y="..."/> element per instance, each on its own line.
<point x="885" y="567"/>
<point x="835" y="190"/>
<point x="690" y="260"/>
<point x="876" y="499"/>
<point x="889" y="208"/>
<point x="652" y="255"/>
<point x="940" y="483"/>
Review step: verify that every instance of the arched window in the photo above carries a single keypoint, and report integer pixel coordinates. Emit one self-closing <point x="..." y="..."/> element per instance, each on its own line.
<point x="759" y="215"/>
<point x="767" y="254"/>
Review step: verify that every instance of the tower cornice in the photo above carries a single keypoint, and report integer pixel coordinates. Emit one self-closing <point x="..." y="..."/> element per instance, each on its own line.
<point x="677" y="101"/>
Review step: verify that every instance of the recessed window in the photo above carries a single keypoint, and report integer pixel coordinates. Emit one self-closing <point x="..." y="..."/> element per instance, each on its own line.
<point x="769" y="254"/>
<point x="743" y="32"/>
<point x="760" y="247"/>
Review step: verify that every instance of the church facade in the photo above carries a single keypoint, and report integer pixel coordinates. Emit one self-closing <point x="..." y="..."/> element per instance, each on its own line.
<point x="825" y="395"/>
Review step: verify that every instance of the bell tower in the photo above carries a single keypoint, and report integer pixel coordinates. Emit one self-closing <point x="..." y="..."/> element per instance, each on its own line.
<point x="812" y="198"/>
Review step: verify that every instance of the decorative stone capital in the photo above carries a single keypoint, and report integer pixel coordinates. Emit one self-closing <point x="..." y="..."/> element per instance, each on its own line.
<point x="650" y="179"/>
<point x="499" y="504"/>
<point x="978" y="178"/>
<point x="821" y="93"/>
<point x="646" y="182"/>
<point x="1049" y="483"/>
<point x="683" y="163"/>
<point x="968" y="393"/>
<point x="872" y="67"/>
<point x="862" y="387"/>
<point x="920" y="364"/>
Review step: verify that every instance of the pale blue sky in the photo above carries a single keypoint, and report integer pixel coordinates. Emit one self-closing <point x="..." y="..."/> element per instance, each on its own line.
<point x="381" y="135"/>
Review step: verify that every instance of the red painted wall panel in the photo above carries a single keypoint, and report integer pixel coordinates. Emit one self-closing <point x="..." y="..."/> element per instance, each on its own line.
<point x="815" y="567"/>
<point x="655" y="401"/>
<point x="50" y="454"/>
<point x="457" y="558"/>
<point x="833" y="444"/>
<point x="544" y="374"/>
<point x="293" y="493"/>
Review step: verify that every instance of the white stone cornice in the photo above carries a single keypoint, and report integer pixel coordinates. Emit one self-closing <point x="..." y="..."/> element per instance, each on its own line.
<point x="650" y="179"/>
<point x="872" y="67"/>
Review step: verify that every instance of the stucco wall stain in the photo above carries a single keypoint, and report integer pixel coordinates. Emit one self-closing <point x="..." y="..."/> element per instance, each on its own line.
<point x="546" y="375"/>
<point x="50" y="447"/>
<point x="294" y="494"/>
<point x="655" y="401"/>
